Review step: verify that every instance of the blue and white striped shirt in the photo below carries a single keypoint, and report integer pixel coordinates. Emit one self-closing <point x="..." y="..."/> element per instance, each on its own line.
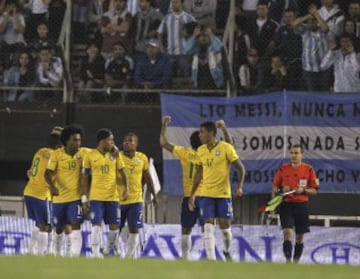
<point x="172" y="25"/>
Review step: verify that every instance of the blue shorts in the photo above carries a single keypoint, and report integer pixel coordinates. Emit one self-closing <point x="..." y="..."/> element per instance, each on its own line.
<point x="38" y="210"/>
<point x="133" y="214"/>
<point x="215" y="208"/>
<point x="188" y="218"/>
<point x="67" y="213"/>
<point x="107" y="211"/>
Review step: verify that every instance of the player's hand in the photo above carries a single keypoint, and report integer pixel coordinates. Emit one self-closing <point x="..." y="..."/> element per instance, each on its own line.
<point x="300" y="190"/>
<point x="54" y="191"/>
<point x="125" y="194"/>
<point x="191" y="203"/>
<point x="114" y="151"/>
<point x="155" y="201"/>
<point x="220" y="124"/>
<point x="166" y="119"/>
<point x="238" y="191"/>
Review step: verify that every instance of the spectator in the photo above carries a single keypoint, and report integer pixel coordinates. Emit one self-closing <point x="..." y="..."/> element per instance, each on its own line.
<point x="42" y="38"/>
<point x="277" y="78"/>
<point x="350" y="28"/>
<point x="314" y="43"/>
<point x="333" y="16"/>
<point x="354" y="14"/>
<point x="146" y="23"/>
<point x="39" y="13"/>
<point x="251" y="74"/>
<point x="92" y="71"/>
<point x="12" y="25"/>
<point x="80" y="11"/>
<point x="207" y="67"/>
<point x="287" y="43"/>
<point x="262" y="29"/>
<point x="116" y="24"/>
<point x="202" y="10"/>
<point x="21" y="75"/>
<point x="49" y="74"/>
<point x="153" y="70"/>
<point x="118" y="70"/>
<point x="242" y="41"/>
<point x="133" y="6"/>
<point x="175" y="37"/>
<point x="278" y="7"/>
<point x="346" y="65"/>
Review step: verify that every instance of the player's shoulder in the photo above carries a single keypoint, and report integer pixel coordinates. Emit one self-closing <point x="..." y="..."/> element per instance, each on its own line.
<point x="141" y="155"/>
<point x="85" y="150"/>
<point x="44" y="152"/>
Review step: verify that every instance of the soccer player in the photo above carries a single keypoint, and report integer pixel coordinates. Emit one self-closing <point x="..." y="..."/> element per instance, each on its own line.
<point x="37" y="196"/>
<point x="137" y="171"/>
<point x="104" y="169"/>
<point x="213" y="162"/>
<point x="300" y="177"/>
<point x="63" y="176"/>
<point x="187" y="156"/>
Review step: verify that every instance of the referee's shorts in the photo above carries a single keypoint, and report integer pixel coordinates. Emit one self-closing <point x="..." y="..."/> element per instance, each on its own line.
<point x="295" y="215"/>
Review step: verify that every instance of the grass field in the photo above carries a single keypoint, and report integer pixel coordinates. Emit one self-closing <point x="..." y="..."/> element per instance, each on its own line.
<point x="52" y="268"/>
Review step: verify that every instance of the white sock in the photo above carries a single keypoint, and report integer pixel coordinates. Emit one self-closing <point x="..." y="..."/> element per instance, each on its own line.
<point x="76" y="242"/>
<point x="131" y="245"/>
<point x="33" y="240"/>
<point x="42" y="243"/>
<point x="185" y="246"/>
<point x="95" y="240"/>
<point x="227" y="238"/>
<point x="59" y="239"/>
<point x="209" y="241"/>
<point x="112" y="239"/>
<point x="67" y="245"/>
<point x="50" y="245"/>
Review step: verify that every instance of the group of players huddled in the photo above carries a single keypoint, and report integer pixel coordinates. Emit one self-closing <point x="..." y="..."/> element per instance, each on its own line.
<point x="69" y="183"/>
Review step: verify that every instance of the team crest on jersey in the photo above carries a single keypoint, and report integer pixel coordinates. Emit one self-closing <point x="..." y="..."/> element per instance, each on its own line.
<point x="137" y="161"/>
<point x="217" y="153"/>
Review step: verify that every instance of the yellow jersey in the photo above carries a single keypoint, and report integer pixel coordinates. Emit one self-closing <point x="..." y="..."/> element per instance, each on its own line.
<point x="187" y="157"/>
<point x="216" y="164"/>
<point x="67" y="170"/>
<point x="37" y="186"/>
<point x="103" y="169"/>
<point x="134" y="168"/>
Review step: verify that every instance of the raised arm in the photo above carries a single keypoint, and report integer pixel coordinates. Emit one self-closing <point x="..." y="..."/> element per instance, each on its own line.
<point x="164" y="143"/>
<point x="227" y="136"/>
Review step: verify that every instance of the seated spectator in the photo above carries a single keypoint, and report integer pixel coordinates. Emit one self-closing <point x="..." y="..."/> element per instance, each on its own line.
<point x="22" y="74"/>
<point x="146" y="23"/>
<point x="92" y="70"/>
<point x="202" y="10"/>
<point x="49" y="74"/>
<point x="42" y="38"/>
<point x="116" y="24"/>
<point x="153" y="70"/>
<point x="12" y="25"/>
<point x="315" y="45"/>
<point x="207" y="67"/>
<point x="118" y="70"/>
<point x="350" y="28"/>
<point x="277" y="78"/>
<point x="346" y="65"/>
<point x="354" y="14"/>
<point x="251" y="74"/>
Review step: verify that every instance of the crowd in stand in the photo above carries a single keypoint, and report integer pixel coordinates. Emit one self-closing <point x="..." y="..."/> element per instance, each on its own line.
<point x="150" y="44"/>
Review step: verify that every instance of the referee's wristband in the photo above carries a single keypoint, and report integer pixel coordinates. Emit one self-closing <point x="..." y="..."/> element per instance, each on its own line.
<point x="84" y="199"/>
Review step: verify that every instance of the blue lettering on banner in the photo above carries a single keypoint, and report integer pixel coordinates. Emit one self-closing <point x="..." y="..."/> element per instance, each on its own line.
<point x="336" y="253"/>
<point x="264" y="128"/>
<point x="11" y="241"/>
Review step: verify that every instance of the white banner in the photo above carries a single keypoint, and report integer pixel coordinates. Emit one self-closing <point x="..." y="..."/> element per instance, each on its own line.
<point x="250" y="243"/>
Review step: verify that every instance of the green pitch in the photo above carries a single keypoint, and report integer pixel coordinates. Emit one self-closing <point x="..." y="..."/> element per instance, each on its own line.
<point x="28" y="267"/>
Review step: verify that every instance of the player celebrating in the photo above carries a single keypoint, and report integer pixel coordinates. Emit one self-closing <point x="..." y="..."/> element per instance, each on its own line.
<point x="104" y="169"/>
<point x="213" y="162"/>
<point x="187" y="156"/>
<point x="37" y="196"/>
<point x="137" y="171"/>
<point x="63" y="176"/>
